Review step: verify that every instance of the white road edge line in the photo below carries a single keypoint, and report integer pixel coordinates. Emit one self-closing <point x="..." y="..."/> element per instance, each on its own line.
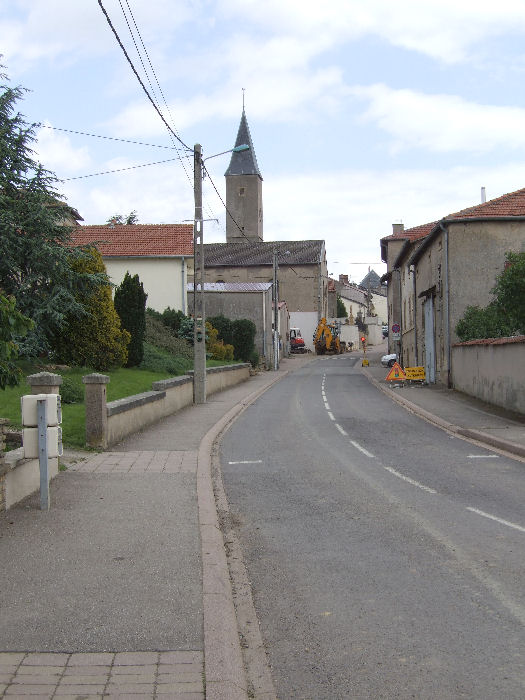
<point x="248" y="461"/>
<point x="498" y="520"/>
<point x="341" y="430"/>
<point x="327" y="405"/>
<point x="331" y="415"/>
<point x="409" y="480"/>
<point x="361" y="449"/>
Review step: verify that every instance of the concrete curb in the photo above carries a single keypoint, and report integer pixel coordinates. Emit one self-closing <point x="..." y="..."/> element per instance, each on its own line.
<point x="223" y="662"/>
<point x="470" y="434"/>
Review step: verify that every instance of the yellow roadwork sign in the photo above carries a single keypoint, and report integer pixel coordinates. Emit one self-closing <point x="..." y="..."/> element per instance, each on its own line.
<point x="415" y="372"/>
<point x="396" y="373"/>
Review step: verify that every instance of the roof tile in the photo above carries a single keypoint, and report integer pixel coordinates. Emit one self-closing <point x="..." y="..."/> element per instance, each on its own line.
<point x="512" y="204"/>
<point x="157" y="240"/>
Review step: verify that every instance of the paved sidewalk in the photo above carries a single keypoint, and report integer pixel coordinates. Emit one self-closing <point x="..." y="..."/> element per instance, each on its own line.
<point x="122" y="588"/>
<point x="452" y="410"/>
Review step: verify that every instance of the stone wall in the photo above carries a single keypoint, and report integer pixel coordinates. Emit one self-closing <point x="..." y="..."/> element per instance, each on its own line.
<point x="109" y="423"/>
<point x="491" y="370"/>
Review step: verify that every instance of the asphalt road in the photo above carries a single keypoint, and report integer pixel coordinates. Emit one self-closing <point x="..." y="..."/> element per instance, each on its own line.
<point x="387" y="558"/>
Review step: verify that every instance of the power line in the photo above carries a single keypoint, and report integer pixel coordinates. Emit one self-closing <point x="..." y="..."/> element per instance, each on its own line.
<point x="110" y="138"/>
<point x="174" y="131"/>
<point x="139" y="78"/>
<point x="118" y="170"/>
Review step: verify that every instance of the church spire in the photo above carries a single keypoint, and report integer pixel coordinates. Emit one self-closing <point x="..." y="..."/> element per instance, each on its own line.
<point x="243" y="162"/>
<point x="244" y="209"/>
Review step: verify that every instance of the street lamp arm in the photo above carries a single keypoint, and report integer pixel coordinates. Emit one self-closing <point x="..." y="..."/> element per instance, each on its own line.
<point x="237" y="149"/>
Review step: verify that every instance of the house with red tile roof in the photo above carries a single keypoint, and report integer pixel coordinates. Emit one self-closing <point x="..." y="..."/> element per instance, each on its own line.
<point x="160" y="254"/>
<point x="436" y="272"/>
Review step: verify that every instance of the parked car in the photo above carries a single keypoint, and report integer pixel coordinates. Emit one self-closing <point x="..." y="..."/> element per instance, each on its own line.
<point x="388" y="360"/>
<point x="385" y="331"/>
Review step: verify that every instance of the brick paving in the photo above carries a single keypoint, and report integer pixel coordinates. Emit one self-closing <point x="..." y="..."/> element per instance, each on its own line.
<point x="83" y="676"/>
<point x="139" y="462"/>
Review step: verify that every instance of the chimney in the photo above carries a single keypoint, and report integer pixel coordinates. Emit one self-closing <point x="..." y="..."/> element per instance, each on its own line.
<point x="483" y="195"/>
<point x="398" y="229"/>
<point x="343" y="279"/>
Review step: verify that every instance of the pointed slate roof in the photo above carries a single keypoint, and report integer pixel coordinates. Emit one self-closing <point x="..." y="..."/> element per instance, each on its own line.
<point x="244" y="162"/>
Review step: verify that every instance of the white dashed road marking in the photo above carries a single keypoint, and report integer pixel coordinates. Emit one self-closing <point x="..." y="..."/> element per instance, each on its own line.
<point x="498" y="520"/>
<point x="361" y="449"/>
<point x="409" y="480"/>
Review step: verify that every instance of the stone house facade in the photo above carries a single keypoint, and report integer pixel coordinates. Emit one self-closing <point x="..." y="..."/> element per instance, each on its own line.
<point x="443" y="268"/>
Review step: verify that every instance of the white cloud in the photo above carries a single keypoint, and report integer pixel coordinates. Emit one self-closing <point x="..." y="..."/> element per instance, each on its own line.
<point x="443" y="29"/>
<point x="441" y="123"/>
<point x="56" y="153"/>
<point x="353" y="209"/>
<point x="34" y="30"/>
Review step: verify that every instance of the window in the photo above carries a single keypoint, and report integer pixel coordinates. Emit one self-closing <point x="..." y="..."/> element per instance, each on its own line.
<point x="241" y="191"/>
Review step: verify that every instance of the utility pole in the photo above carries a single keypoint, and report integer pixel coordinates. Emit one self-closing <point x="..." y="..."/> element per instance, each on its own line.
<point x="199" y="327"/>
<point x="275" y="297"/>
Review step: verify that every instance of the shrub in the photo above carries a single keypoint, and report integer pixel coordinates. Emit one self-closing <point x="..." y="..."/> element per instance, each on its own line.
<point x="243" y="332"/>
<point x="172" y="319"/>
<point x="71" y="391"/>
<point x="488" y="322"/>
<point x="130" y="304"/>
<point x="159" y="335"/>
<point x="254" y="359"/>
<point x="224" y="328"/>
<point x="158" y="360"/>
<point x="186" y="329"/>
<point x="215" y="347"/>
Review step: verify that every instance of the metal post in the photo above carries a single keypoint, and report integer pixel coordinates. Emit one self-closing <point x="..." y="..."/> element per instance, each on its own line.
<point x="199" y="330"/>
<point x="42" y="453"/>
<point x="275" y="313"/>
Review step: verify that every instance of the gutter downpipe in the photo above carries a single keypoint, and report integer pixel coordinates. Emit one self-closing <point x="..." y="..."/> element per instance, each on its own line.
<point x="447" y="305"/>
<point x="184" y="292"/>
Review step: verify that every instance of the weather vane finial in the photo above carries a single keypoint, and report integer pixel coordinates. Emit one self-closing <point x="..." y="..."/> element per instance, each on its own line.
<point x="243" y="99"/>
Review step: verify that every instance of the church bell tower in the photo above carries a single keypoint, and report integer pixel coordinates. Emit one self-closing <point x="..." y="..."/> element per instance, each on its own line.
<point x="244" y="215"/>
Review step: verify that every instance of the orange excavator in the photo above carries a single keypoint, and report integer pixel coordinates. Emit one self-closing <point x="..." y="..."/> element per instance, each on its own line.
<point x="326" y="339"/>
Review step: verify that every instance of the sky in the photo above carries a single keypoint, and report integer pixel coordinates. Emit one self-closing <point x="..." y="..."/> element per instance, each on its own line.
<point x="362" y="114"/>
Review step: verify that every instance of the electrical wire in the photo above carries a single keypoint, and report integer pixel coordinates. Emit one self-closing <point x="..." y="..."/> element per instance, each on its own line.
<point x="111" y="138"/>
<point x="118" y="170"/>
<point x="139" y="78"/>
<point x="137" y="30"/>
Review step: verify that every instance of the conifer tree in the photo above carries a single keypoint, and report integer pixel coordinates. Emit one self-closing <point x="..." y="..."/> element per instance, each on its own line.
<point x="35" y="238"/>
<point x="130" y="303"/>
<point x="94" y="338"/>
